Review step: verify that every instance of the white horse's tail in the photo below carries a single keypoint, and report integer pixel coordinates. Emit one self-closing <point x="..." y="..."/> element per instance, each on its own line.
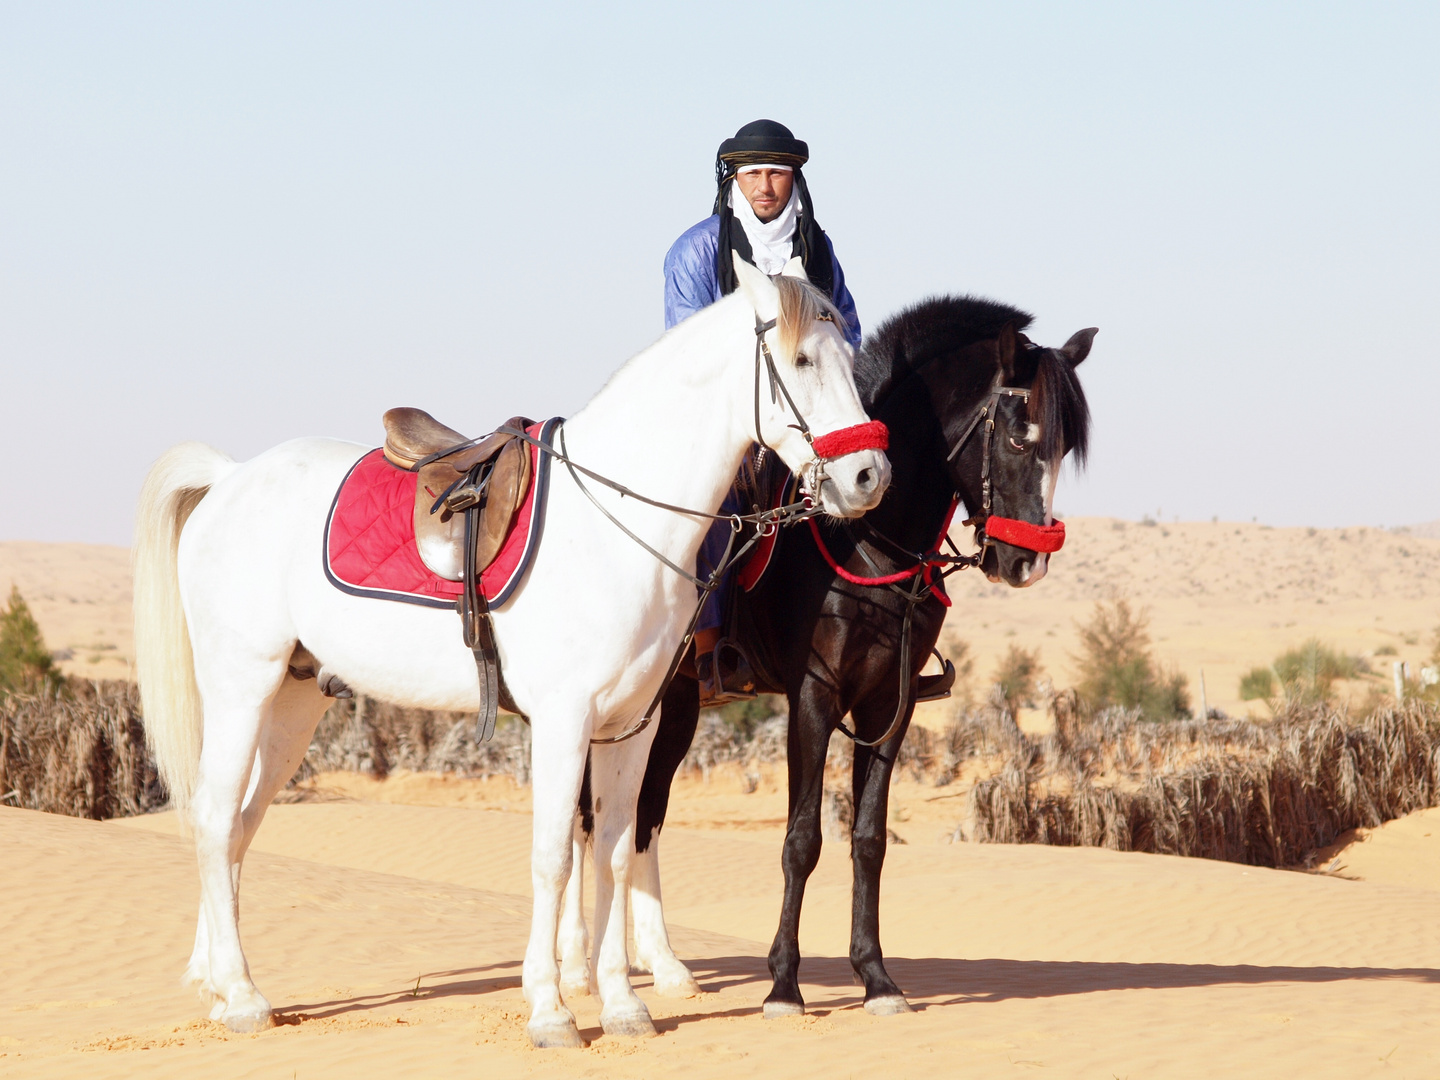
<point x="164" y="664"/>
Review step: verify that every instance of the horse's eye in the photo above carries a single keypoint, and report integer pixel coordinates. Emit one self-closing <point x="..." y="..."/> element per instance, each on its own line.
<point x="801" y="360"/>
<point x="1017" y="444"/>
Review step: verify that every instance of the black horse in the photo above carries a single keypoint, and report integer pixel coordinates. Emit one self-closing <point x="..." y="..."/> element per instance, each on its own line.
<point x="976" y="413"/>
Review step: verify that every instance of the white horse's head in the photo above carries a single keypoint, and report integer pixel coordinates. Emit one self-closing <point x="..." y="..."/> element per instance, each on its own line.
<point x="817" y="366"/>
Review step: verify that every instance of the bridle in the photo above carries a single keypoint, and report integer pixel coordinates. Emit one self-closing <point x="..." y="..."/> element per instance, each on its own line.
<point x="928" y="572"/>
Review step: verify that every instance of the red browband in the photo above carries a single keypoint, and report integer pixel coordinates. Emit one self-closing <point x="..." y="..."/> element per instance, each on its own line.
<point x="1023" y="534"/>
<point x="872" y="436"/>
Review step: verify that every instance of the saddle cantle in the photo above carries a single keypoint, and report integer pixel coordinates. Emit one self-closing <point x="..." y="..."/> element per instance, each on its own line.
<point x="445" y="460"/>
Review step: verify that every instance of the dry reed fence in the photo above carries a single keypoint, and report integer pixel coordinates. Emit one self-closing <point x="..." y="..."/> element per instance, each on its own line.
<point x="1266" y="794"/>
<point x="1262" y="793"/>
<point x="80" y="752"/>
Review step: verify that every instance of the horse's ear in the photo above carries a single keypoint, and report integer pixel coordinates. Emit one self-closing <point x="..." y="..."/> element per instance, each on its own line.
<point x="1006" y="342"/>
<point x="1078" y="347"/>
<point x="757" y="287"/>
<point x="795" y="268"/>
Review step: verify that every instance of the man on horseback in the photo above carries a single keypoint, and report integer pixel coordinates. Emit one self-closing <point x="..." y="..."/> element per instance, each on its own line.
<point x="764" y="212"/>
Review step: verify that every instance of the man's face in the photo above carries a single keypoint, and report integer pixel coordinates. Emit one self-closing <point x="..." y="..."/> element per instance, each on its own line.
<point x="766" y="190"/>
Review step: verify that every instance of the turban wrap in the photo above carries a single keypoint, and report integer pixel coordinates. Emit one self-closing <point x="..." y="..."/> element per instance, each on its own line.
<point x="764" y="142"/>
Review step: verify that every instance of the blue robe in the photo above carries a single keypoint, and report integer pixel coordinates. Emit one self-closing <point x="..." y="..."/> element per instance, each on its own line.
<point x="691" y="284"/>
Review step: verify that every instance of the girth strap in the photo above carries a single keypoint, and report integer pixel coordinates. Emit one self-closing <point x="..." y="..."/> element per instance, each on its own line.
<point x="476" y="625"/>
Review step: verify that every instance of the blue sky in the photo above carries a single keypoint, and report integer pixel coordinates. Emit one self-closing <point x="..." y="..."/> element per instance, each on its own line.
<point x="244" y="223"/>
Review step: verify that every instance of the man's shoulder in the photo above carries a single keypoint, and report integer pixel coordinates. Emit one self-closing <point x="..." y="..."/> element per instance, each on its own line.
<point x="697" y="243"/>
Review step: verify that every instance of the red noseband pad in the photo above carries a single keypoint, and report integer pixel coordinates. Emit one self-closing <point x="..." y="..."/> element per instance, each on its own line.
<point x="1023" y="534"/>
<point x="872" y="436"/>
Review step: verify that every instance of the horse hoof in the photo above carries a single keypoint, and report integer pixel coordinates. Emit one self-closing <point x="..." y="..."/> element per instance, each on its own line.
<point x="631" y="1025"/>
<point x="774" y="1010"/>
<point x="247" y="1023"/>
<point x="564" y="1036"/>
<point x="889" y="1005"/>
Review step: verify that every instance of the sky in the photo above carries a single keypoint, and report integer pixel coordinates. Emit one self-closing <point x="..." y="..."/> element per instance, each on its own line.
<point x="243" y="223"/>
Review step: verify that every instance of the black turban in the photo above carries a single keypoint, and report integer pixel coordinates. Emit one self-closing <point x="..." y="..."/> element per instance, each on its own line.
<point x="765" y="142"/>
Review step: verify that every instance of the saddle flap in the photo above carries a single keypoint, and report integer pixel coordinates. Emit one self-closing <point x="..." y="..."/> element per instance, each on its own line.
<point x="509" y="481"/>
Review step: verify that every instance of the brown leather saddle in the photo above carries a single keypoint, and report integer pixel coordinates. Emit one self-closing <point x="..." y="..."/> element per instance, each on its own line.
<point x="466" y="498"/>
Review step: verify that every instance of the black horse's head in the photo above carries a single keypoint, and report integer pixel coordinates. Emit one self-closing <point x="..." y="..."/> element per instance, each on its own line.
<point x="1040" y="415"/>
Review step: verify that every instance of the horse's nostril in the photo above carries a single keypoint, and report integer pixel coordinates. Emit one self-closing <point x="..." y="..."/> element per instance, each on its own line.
<point x="865" y="478"/>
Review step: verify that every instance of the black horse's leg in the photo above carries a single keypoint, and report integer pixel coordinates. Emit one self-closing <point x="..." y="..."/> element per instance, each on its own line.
<point x="867" y="852"/>
<point x="679" y="713"/>
<point x="812" y="718"/>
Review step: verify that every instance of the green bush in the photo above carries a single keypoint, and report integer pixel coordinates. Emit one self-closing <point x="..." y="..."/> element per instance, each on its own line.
<point x="1015" y="674"/>
<point x="25" y="663"/>
<point x="1307" y="672"/>
<point x="1116" y="667"/>
<point x="1257" y="684"/>
<point x="1304" y="675"/>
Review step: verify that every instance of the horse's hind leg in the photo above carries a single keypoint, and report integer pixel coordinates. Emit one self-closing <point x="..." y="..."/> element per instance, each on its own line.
<point x="867" y="854"/>
<point x="248" y="755"/>
<point x="675" y="731"/>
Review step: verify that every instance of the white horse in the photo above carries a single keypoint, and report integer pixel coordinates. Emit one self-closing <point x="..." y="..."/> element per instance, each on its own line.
<point x="228" y="583"/>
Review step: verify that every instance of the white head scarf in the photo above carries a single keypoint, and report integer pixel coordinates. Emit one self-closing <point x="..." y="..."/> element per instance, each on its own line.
<point x="770" y="241"/>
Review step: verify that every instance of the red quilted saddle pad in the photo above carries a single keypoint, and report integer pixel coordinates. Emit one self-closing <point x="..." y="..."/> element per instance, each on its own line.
<point x="370" y="535"/>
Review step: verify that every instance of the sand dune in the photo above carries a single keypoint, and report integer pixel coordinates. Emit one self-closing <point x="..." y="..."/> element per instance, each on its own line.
<point x="390" y="936"/>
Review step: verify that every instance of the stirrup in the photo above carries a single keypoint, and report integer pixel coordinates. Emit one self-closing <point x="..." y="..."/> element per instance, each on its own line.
<point x="723" y="678"/>
<point x="936" y="687"/>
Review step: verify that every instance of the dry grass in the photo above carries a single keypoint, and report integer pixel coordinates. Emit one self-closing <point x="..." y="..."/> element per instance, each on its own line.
<point x="372" y="737"/>
<point x="1265" y="794"/>
<point x="79" y="752"/>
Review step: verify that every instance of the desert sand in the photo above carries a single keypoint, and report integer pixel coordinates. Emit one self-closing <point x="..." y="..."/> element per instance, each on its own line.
<point x="389" y="937"/>
<point x="387" y="920"/>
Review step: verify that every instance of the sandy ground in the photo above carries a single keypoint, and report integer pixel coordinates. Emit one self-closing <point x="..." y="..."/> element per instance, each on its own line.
<point x="1222" y="597"/>
<point x="389" y="935"/>
<point x="387" y="921"/>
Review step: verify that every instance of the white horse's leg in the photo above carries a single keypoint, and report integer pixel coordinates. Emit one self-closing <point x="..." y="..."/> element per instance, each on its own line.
<point x="652" y="943"/>
<point x="557" y="757"/>
<point x="286" y="729"/>
<point x="232" y="732"/>
<point x="615" y="775"/>
<point x="574" y="939"/>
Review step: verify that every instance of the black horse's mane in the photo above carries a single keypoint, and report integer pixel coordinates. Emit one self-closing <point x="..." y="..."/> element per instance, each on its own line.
<point x="943" y="325"/>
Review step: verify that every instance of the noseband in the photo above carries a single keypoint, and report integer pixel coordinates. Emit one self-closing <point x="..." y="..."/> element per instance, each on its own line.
<point x="873" y="435"/>
<point x="988" y="527"/>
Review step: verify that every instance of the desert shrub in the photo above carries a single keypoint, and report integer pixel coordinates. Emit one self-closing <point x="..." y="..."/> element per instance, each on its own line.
<point x="1387" y="650"/>
<point x="25" y="663"/>
<point x="745" y="716"/>
<point x="1302" y="676"/>
<point x="1015" y="675"/>
<point x="1117" y="669"/>
<point x="79" y="752"/>
<point x="1257" y="684"/>
<point x="1306" y="673"/>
